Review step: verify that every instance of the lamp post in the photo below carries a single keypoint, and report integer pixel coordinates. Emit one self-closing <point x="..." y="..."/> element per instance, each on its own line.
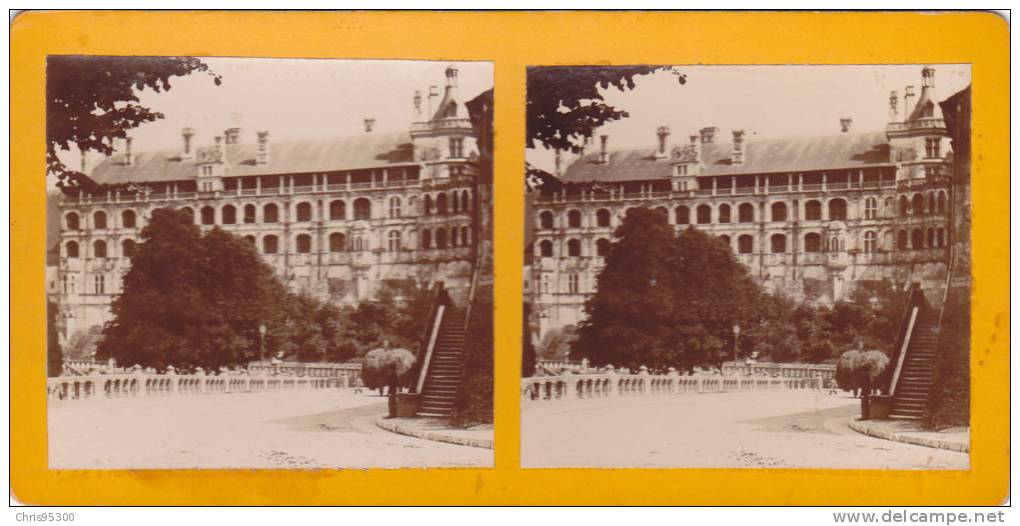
<point x="262" y="342"/>
<point x="736" y="337"/>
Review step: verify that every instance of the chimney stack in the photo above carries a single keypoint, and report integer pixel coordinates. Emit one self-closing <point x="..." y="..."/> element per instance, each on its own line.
<point x="369" y="124"/>
<point x="845" y="123"/>
<point x="604" y="152"/>
<point x="696" y="146"/>
<point x="927" y="78"/>
<point x="129" y="157"/>
<point x="187" y="134"/>
<point x="663" y="133"/>
<point x="559" y="162"/>
<point x="233" y="135"/>
<point x="738" y="147"/>
<point x="417" y="105"/>
<point x="220" y="153"/>
<point x="908" y="101"/>
<point x="262" y="151"/>
<point x="708" y="134"/>
<point x="894" y="102"/>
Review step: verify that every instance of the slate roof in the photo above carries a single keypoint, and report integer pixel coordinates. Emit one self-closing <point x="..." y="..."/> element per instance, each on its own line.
<point x="786" y="155"/>
<point x="362" y="151"/>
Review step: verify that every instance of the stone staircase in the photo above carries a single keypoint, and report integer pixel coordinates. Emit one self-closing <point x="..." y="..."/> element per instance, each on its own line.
<point x="912" y="390"/>
<point x="445" y="367"/>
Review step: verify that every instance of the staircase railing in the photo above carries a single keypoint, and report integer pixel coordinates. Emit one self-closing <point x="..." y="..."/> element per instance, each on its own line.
<point x="915" y="304"/>
<point x="440" y="302"/>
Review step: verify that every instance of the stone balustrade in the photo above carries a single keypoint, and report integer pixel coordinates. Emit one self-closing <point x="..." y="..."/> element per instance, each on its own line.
<point x="783" y="370"/>
<point x="610" y="384"/>
<point x="139" y="384"/>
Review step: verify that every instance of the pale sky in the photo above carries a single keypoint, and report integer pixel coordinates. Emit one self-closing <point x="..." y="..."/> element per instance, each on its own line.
<point x="765" y="101"/>
<point x="296" y="98"/>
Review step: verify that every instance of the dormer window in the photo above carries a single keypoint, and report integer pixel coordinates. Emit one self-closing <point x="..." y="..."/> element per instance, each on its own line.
<point x="681" y="169"/>
<point x="456" y="147"/>
<point x="929" y="110"/>
<point x="207" y="169"/>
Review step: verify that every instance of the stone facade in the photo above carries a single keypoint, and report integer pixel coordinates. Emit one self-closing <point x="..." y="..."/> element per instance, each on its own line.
<point x="811" y="217"/>
<point x="338" y="218"/>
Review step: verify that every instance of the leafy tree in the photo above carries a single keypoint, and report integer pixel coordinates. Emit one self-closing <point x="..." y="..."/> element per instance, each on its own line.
<point x="775" y="334"/>
<point x="54" y="355"/>
<point x="83" y="342"/>
<point x="93" y="100"/>
<point x="556" y="343"/>
<point x="564" y="103"/>
<point x="191" y="300"/>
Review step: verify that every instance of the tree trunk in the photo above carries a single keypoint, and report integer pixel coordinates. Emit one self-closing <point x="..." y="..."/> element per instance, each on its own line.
<point x="866" y="399"/>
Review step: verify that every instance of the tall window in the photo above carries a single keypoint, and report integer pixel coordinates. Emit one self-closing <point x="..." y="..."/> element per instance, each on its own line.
<point x="870" y="208"/>
<point x="901" y="240"/>
<point x="813" y="211"/>
<point x="574" y="248"/>
<point x="745" y="244"/>
<point x="724" y="213"/>
<point x="72" y="221"/>
<point x="304" y="243"/>
<point x="870" y="241"/>
<point x="545" y="248"/>
<point x="393" y="243"/>
<point x="127" y="219"/>
<point x="778" y="243"/>
<point x="99" y="220"/>
<point x="779" y="212"/>
<point x="573" y="283"/>
<point x="249" y="214"/>
<point x="941" y="237"/>
<point x="208" y="215"/>
<point x="602" y="217"/>
<point x="812" y="242"/>
<point x="362" y="209"/>
<point x="360" y="244"/>
<point x="127" y="248"/>
<point x="395" y="207"/>
<point x="745" y="213"/>
<point x="931" y="237"/>
<point x="337" y="211"/>
<point x="918" y="205"/>
<point x="904" y="206"/>
<point x="465" y="201"/>
<point x="99" y="249"/>
<point x="602" y="247"/>
<point x="704" y="215"/>
<point x="428" y="205"/>
<point x="270" y="245"/>
<point x="917" y="239"/>
<point x="456" y="147"/>
<point x="683" y="215"/>
<point x="942" y="202"/>
<point x="441" y="204"/>
<point x="545" y="219"/>
<point x="426" y="238"/>
<point x="229" y="215"/>
<point x="574" y="219"/>
<point x="304" y="212"/>
<point x="337" y="243"/>
<point x="71" y="249"/>
<point x="70" y="283"/>
<point x="270" y="214"/>
<point x="441" y="238"/>
<point x="837" y="210"/>
<point x="931" y="148"/>
<point x="465" y="236"/>
<point x="99" y="284"/>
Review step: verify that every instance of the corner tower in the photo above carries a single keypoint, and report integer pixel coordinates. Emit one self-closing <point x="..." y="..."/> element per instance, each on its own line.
<point x="445" y="143"/>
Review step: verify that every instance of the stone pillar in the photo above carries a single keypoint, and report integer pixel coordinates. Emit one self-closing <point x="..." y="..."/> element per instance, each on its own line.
<point x="569" y="385"/>
<point x="611" y="375"/>
<point x="674" y="380"/>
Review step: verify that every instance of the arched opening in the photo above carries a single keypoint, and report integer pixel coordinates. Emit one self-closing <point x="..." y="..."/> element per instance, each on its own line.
<point x="428" y="205"/>
<point x="303" y="243"/>
<point x="778" y="243"/>
<point x="917" y="239"/>
<point x="870" y="241"/>
<point x="249" y="214"/>
<point x="393" y="241"/>
<point x="545" y="248"/>
<point x="99" y="249"/>
<point x="726" y="241"/>
<point x="208" y="215"/>
<point x="395" y="207"/>
<point x="127" y="219"/>
<point x="901" y="240"/>
<point x="724" y="213"/>
<point x="837" y="210"/>
<point x="465" y="236"/>
<point x="99" y="220"/>
<point x="574" y="219"/>
<point x="545" y="220"/>
<point x="941" y="237"/>
<point x="602" y="217"/>
<point x="270" y="214"/>
<point x="442" y="206"/>
<point x="441" y="237"/>
<point x="465" y="201"/>
<point x="904" y="206"/>
<point x="942" y="202"/>
<point x="812" y="211"/>
<point x="602" y="247"/>
<point x="304" y="212"/>
<point x="337" y="242"/>
<point x="229" y="215"/>
<point x="683" y="215"/>
<point x="663" y="211"/>
<point x="426" y="238"/>
<point x="71" y="249"/>
<point x="745" y="213"/>
<point x="574" y="248"/>
<point x="270" y="245"/>
<point x="779" y="212"/>
<point x="72" y="221"/>
<point x="337" y="210"/>
<point x="918" y="204"/>
<point x="812" y="242"/>
<point x="745" y="244"/>
<point x="704" y="214"/>
<point x="870" y="208"/>
<point x="128" y="247"/>
<point x="931" y="237"/>
<point x="362" y="209"/>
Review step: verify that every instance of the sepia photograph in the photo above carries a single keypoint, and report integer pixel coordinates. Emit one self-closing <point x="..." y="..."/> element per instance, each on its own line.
<point x="268" y="263"/>
<point x="747" y="267"/>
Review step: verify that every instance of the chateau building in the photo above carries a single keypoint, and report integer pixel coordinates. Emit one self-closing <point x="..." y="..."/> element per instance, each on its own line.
<point x="336" y="217"/>
<point x="813" y="217"/>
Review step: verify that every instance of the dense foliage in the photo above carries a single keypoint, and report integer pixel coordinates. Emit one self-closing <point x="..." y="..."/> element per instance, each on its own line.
<point x="473" y="404"/>
<point x="950" y="396"/>
<point x="93" y="100"/>
<point x="860" y="370"/>
<point x="388" y="367"/>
